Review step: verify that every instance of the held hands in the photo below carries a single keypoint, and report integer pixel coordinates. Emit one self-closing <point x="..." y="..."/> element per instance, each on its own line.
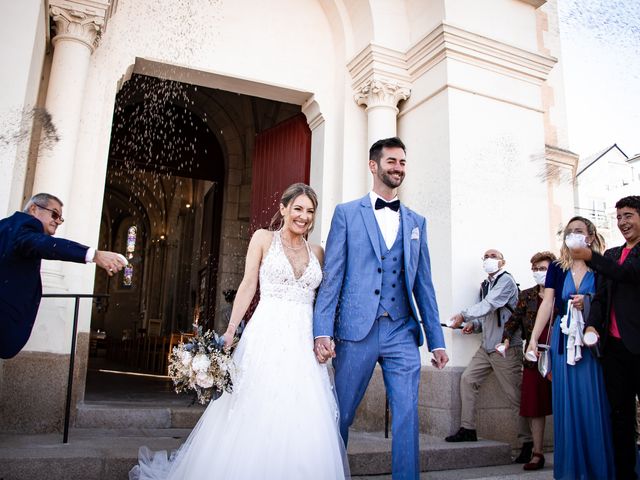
<point x="324" y="348"/>
<point x="468" y="328"/>
<point x="112" y="262"/>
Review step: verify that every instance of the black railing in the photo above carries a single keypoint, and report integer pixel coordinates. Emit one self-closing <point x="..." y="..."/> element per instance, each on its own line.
<point x="98" y="297"/>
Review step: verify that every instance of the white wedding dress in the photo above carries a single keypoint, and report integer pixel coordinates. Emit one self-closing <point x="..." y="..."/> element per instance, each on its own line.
<point x="281" y="421"/>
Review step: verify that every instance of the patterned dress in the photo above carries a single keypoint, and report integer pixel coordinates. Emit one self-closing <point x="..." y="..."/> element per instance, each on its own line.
<point x="535" y="400"/>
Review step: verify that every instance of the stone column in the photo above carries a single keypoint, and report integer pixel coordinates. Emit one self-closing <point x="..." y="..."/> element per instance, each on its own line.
<point x="77" y="33"/>
<point x="381" y="98"/>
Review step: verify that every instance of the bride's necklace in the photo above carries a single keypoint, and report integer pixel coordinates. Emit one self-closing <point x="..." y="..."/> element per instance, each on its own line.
<point x="289" y="246"/>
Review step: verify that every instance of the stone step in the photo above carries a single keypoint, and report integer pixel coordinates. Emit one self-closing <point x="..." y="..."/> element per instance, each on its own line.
<point x="136" y="415"/>
<point x="108" y="454"/>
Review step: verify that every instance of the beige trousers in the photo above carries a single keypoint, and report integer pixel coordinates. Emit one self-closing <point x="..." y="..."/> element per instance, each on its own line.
<point x="508" y="372"/>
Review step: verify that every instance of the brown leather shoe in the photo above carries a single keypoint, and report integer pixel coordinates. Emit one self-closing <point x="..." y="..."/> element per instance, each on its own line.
<point x="535" y="465"/>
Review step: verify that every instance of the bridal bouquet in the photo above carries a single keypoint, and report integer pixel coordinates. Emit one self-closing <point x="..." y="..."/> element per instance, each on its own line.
<point x="202" y="365"/>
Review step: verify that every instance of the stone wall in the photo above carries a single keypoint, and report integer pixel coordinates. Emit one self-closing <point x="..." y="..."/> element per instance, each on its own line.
<point x="439" y="407"/>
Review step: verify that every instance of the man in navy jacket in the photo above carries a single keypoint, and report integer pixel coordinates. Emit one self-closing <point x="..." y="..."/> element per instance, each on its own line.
<point x="25" y="239"/>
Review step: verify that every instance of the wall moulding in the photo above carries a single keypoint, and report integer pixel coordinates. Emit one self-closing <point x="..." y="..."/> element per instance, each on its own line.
<point x="448" y="41"/>
<point x="561" y="159"/>
<point x="535" y="3"/>
<point x="311" y="110"/>
<point x="96" y="8"/>
<point x="378" y="62"/>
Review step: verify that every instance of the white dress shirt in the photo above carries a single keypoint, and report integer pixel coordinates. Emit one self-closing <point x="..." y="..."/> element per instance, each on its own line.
<point x="388" y="220"/>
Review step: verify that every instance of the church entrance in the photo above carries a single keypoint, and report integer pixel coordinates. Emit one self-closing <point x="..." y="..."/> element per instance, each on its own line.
<point x="192" y="172"/>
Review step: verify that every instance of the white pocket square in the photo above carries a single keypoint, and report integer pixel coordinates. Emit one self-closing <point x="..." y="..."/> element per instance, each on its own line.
<point x="415" y="234"/>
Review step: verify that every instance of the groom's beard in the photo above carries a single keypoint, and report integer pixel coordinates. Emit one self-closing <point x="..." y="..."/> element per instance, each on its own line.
<point x="391" y="182"/>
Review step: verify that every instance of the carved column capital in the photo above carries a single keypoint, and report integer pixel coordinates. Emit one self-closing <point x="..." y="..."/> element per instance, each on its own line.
<point x="381" y="93"/>
<point x="77" y="26"/>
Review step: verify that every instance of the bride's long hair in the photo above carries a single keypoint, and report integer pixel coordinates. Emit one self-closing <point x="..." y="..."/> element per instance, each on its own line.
<point x="291" y="193"/>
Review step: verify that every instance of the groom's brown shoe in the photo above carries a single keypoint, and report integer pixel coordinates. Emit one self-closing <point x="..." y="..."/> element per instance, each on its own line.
<point x="463" y="435"/>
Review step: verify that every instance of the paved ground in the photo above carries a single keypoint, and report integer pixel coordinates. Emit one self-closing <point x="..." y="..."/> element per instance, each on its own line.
<point x="502" y="472"/>
<point x="125" y="411"/>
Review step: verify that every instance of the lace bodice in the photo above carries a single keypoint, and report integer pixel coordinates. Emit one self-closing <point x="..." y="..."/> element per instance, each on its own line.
<point x="277" y="278"/>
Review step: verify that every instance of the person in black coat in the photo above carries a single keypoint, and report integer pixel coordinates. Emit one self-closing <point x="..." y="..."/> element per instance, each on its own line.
<point x="615" y="318"/>
<point x="25" y="239"/>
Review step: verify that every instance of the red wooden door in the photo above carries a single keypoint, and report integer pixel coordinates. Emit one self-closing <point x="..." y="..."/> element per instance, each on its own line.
<point x="281" y="156"/>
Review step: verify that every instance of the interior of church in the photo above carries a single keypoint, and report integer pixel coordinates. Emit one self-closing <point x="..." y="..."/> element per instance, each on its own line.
<point x="180" y="202"/>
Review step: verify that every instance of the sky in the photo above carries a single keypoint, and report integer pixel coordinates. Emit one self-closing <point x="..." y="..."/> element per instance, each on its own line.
<point x="601" y="68"/>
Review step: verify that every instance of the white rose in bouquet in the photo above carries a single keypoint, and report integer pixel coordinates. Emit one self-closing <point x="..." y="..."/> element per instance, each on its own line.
<point x="200" y="363"/>
<point x="203" y="380"/>
<point x="185" y="358"/>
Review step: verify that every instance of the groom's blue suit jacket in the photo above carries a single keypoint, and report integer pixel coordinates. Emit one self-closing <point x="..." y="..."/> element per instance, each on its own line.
<point x="23" y="244"/>
<point x="347" y="302"/>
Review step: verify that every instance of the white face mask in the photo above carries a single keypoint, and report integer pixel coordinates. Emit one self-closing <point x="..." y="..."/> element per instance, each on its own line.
<point x="540" y="277"/>
<point x="491" y="265"/>
<point x="575" y="240"/>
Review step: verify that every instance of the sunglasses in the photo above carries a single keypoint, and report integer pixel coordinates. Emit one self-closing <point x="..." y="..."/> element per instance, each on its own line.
<point x="55" y="215"/>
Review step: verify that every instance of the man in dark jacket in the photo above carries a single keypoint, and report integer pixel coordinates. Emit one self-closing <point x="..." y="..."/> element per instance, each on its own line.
<point x="25" y="239"/>
<point x="615" y="318"/>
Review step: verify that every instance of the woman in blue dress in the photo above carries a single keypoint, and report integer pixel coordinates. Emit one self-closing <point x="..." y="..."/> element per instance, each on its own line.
<point x="582" y="426"/>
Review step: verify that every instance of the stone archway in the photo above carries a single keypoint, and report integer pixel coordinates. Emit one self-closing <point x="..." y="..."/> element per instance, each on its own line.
<point x="233" y="120"/>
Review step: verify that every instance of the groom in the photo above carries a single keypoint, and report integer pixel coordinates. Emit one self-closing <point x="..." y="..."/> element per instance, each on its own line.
<point x="376" y="263"/>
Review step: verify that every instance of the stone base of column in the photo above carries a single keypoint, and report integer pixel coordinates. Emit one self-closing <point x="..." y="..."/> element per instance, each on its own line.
<point x="34" y="388"/>
<point x="439" y="407"/>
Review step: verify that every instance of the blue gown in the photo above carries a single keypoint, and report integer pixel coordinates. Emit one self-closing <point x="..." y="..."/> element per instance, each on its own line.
<point x="582" y="426"/>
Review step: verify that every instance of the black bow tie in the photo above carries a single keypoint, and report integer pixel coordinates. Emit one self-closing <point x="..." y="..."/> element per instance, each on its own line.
<point x="395" y="205"/>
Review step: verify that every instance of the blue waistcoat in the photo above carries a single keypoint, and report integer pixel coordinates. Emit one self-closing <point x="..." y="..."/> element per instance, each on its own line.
<point x="393" y="294"/>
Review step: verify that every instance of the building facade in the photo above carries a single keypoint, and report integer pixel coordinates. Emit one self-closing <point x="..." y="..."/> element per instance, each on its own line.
<point x="184" y="118"/>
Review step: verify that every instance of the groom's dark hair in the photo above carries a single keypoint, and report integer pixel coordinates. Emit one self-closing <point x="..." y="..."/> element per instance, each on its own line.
<point x="375" y="152"/>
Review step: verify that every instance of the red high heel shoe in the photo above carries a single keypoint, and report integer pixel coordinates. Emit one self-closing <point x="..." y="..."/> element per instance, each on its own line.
<point x="535" y="465"/>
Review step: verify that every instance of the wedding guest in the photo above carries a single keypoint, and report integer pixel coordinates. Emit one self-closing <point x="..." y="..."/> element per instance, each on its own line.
<point x="535" y="399"/>
<point x="614" y="318"/>
<point x="581" y="423"/>
<point x="488" y="316"/>
<point x="25" y="239"/>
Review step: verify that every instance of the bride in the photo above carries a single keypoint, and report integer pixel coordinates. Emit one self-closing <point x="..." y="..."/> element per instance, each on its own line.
<point x="280" y="422"/>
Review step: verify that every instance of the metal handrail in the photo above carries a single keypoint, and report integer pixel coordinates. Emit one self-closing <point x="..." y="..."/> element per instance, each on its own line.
<point x="72" y="358"/>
